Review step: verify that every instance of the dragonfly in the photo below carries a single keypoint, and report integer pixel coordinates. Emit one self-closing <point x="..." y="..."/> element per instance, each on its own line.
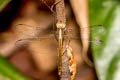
<point x="28" y="33"/>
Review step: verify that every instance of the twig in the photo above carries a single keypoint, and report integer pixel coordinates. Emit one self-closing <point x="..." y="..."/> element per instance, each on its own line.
<point x="63" y="67"/>
<point x="60" y="12"/>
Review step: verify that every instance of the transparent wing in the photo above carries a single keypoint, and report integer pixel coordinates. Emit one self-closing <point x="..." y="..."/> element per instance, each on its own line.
<point x="95" y="32"/>
<point x="26" y="33"/>
<point x="29" y="33"/>
<point x="95" y="29"/>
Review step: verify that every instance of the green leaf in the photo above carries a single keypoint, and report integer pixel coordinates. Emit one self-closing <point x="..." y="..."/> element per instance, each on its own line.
<point x="8" y="72"/>
<point x="107" y="53"/>
<point x="3" y="4"/>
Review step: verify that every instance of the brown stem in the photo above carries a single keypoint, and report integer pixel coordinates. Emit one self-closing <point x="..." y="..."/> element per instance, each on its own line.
<point x="61" y="19"/>
<point x="65" y="68"/>
<point x="60" y="11"/>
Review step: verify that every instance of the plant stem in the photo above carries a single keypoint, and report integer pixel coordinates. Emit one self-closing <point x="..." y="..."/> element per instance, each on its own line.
<point x="60" y="11"/>
<point x="63" y="67"/>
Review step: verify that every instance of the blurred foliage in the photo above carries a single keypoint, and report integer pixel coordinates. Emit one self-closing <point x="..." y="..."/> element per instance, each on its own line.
<point x="3" y="4"/>
<point x="107" y="53"/>
<point x="8" y="72"/>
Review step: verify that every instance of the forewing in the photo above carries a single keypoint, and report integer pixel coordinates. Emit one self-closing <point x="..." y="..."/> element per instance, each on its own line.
<point x="95" y="29"/>
<point x="26" y="33"/>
